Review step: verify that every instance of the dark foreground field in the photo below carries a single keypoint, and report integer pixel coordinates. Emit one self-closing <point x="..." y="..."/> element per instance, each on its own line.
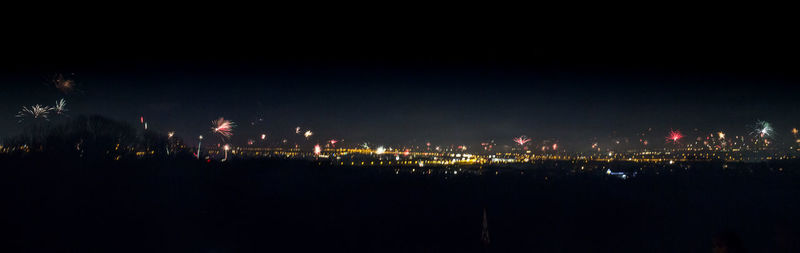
<point x="282" y="206"/>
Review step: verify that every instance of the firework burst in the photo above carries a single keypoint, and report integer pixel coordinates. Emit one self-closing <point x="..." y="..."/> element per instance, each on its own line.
<point x="34" y="112"/>
<point x="61" y="107"/>
<point x="521" y="140"/>
<point x="63" y="84"/>
<point x="674" y="136"/>
<point x="223" y="127"/>
<point x="763" y="129"/>
<point x="317" y="149"/>
<point x="308" y="134"/>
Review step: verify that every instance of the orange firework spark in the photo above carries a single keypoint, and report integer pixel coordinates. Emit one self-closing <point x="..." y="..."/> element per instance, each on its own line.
<point x="63" y="84"/>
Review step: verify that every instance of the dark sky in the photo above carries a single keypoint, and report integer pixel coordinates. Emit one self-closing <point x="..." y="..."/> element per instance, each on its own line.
<point x="398" y="86"/>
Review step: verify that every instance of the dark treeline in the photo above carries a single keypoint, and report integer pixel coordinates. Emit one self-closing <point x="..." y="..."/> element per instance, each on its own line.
<point x="90" y="137"/>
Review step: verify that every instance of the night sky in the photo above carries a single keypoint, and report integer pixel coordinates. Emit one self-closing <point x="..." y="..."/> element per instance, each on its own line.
<point x="406" y="87"/>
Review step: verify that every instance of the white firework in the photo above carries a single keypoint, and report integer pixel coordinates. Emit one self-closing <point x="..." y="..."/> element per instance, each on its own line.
<point x="763" y="129"/>
<point x="34" y="112"/>
<point x="60" y="107"/>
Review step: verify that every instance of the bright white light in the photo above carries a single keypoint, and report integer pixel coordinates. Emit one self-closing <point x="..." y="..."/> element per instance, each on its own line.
<point x="380" y="150"/>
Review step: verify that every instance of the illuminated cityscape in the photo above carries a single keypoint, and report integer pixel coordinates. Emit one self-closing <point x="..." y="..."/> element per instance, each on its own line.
<point x="225" y="138"/>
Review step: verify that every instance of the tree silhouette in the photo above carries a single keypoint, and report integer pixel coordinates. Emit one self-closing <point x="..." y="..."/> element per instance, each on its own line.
<point x="91" y="137"/>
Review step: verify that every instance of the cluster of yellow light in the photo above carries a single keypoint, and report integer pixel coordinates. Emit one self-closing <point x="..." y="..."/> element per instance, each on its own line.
<point x="142" y="153"/>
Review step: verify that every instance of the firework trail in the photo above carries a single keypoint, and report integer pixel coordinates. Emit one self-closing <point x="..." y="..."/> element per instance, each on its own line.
<point x="199" y="143"/>
<point x="674" y="136"/>
<point x="34" y="112"/>
<point x="297" y="130"/>
<point x="521" y="140"/>
<point x="223" y="127"/>
<point x="169" y="139"/>
<point x="333" y="142"/>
